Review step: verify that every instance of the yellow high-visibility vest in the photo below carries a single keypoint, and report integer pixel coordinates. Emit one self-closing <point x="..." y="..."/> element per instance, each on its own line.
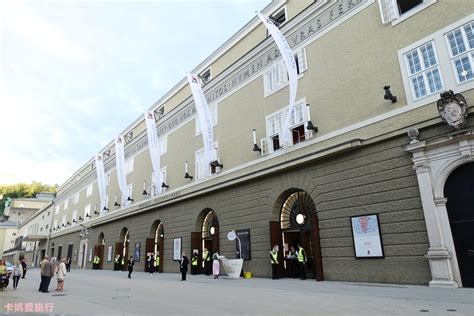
<point x="274" y="256"/>
<point x="205" y="256"/>
<point x="157" y="261"/>
<point x="194" y="261"/>
<point x="301" y="256"/>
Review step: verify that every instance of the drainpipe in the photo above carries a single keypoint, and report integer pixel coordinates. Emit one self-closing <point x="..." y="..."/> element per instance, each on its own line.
<point x="50" y="229"/>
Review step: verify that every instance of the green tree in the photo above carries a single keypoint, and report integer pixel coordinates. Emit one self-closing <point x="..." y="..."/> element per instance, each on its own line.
<point x="23" y="190"/>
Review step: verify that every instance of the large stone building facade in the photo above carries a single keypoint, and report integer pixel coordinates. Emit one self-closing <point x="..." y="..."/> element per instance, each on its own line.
<point x="359" y="164"/>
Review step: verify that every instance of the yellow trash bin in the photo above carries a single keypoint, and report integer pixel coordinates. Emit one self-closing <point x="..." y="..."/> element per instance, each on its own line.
<point x="247" y="275"/>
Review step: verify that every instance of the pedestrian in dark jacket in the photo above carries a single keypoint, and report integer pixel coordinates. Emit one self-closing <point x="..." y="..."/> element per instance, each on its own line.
<point x="150" y="264"/>
<point x="184" y="266"/>
<point x="130" y="266"/>
<point x="23" y="264"/>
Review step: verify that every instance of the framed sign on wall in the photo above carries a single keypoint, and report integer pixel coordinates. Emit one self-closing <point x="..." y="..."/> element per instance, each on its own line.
<point x="177" y="249"/>
<point x="366" y="236"/>
<point x="136" y="251"/>
<point x="109" y="254"/>
<point x="244" y="236"/>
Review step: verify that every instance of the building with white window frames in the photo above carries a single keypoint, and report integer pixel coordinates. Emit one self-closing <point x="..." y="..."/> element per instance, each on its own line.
<point x="350" y="169"/>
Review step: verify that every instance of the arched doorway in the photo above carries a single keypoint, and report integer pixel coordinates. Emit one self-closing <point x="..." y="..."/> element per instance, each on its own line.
<point x="155" y="244"/>
<point x="121" y="248"/>
<point x="206" y="238"/>
<point x="298" y="224"/>
<point x="459" y="192"/>
<point x="99" y="251"/>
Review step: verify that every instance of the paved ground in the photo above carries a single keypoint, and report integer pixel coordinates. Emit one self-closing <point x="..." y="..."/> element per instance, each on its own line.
<point x="93" y="292"/>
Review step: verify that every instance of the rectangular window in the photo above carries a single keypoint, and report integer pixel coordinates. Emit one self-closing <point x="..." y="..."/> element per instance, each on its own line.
<point x="87" y="212"/>
<point x="398" y="10"/>
<point x="63" y="222"/>
<point x="76" y="198"/>
<point x="55" y="224"/>
<point x="89" y="190"/>
<point x="205" y="75"/>
<point x="202" y="169"/>
<point x="276" y="76"/>
<point x="56" y="210"/>
<point x="213" y="112"/>
<point x="163" y="144"/>
<point x="129" y="193"/>
<point x="66" y="204"/>
<point x="423" y="71"/>
<point x="74" y="217"/>
<point x="461" y="50"/>
<point x="129" y="166"/>
<point x="107" y="178"/>
<point x="163" y="178"/>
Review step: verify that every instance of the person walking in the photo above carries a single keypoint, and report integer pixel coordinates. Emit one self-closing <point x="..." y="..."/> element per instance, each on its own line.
<point x="183" y="267"/>
<point x="61" y="275"/>
<point x="216" y="264"/>
<point x="274" y="261"/>
<point x="206" y="258"/>
<point x="301" y="262"/>
<point x="130" y="264"/>
<point x="23" y="265"/>
<point x="116" y="262"/>
<point x="47" y="273"/>
<point x="17" y="271"/>
<point x="194" y="263"/>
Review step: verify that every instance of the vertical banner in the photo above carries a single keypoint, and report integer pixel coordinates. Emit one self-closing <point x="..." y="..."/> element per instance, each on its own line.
<point x="205" y="119"/>
<point x="290" y="63"/>
<point x="120" y="162"/>
<point x="99" y="167"/>
<point x="154" y="148"/>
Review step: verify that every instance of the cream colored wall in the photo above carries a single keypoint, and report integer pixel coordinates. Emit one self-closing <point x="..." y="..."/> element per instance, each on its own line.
<point x="294" y="7"/>
<point x="347" y="69"/>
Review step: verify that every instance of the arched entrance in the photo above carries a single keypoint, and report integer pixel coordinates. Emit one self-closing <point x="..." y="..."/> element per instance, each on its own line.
<point x="206" y="238"/>
<point x="459" y="192"/>
<point x="155" y="243"/>
<point x="298" y="224"/>
<point x="121" y="248"/>
<point x="99" y="251"/>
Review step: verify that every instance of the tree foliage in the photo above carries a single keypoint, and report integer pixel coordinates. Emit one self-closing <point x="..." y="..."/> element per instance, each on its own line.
<point x="23" y="190"/>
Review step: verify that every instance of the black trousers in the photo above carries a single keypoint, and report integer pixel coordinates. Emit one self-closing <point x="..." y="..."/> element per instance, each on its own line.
<point x="275" y="271"/>
<point x="44" y="283"/>
<point x="16" y="279"/>
<point x="130" y="273"/>
<point x="183" y="275"/>
<point x="24" y="273"/>
<point x="194" y="270"/>
<point x="208" y="267"/>
<point x="302" y="270"/>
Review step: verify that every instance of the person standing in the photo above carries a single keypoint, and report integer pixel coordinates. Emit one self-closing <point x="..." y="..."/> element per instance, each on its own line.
<point x="68" y="264"/>
<point x="23" y="264"/>
<point x="183" y="267"/>
<point x="130" y="264"/>
<point x="123" y="263"/>
<point x="116" y="262"/>
<point x="157" y="262"/>
<point x="302" y="262"/>
<point x="274" y="261"/>
<point x="47" y="272"/>
<point x="61" y="275"/>
<point x="42" y="263"/>
<point x="206" y="258"/>
<point x="17" y="271"/>
<point x="194" y="263"/>
<point x="292" y="262"/>
<point x="215" y="265"/>
<point x="151" y="264"/>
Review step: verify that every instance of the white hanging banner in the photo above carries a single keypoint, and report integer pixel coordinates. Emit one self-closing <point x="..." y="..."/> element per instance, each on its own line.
<point x="99" y="167"/>
<point x="290" y="63"/>
<point x="154" y="148"/>
<point x="205" y="120"/>
<point x="120" y="163"/>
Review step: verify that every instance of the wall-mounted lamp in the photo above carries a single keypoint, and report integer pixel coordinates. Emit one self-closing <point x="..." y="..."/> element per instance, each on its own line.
<point x="80" y="218"/>
<point x="74" y="220"/>
<point x="54" y="228"/>
<point x="216" y="163"/>
<point x="388" y="95"/>
<point x="63" y="225"/>
<point x="89" y="215"/>
<point x="68" y="223"/>
<point x="255" y="146"/>
<point x="164" y="185"/>
<point x="186" y="174"/>
<point x="130" y="199"/>
<point x="13" y="234"/>
<point x="310" y="125"/>
<point x="105" y="208"/>
<point x="144" y="188"/>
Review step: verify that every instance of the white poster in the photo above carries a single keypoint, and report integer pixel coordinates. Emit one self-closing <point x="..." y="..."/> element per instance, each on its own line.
<point x="177" y="249"/>
<point x="290" y="63"/>
<point x="366" y="233"/>
<point x="90" y="254"/>
<point x="120" y="161"/>
<point x="205" y="120"/>
<point x="154" y="148"/>
<point x="109" y="254"/>
<point x="99" y="167"/>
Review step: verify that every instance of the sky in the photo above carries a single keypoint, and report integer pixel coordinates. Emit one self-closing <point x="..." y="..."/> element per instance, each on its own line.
<point x="73" y="74"/>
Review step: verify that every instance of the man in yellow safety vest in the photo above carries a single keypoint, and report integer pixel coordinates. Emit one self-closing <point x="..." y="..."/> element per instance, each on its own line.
<point x="274" y="261"/>
<point x="206" y="258"/>
<point x="194" y="263"/>
<point x="302" y="261"/>
<point x="157" y="262"/>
